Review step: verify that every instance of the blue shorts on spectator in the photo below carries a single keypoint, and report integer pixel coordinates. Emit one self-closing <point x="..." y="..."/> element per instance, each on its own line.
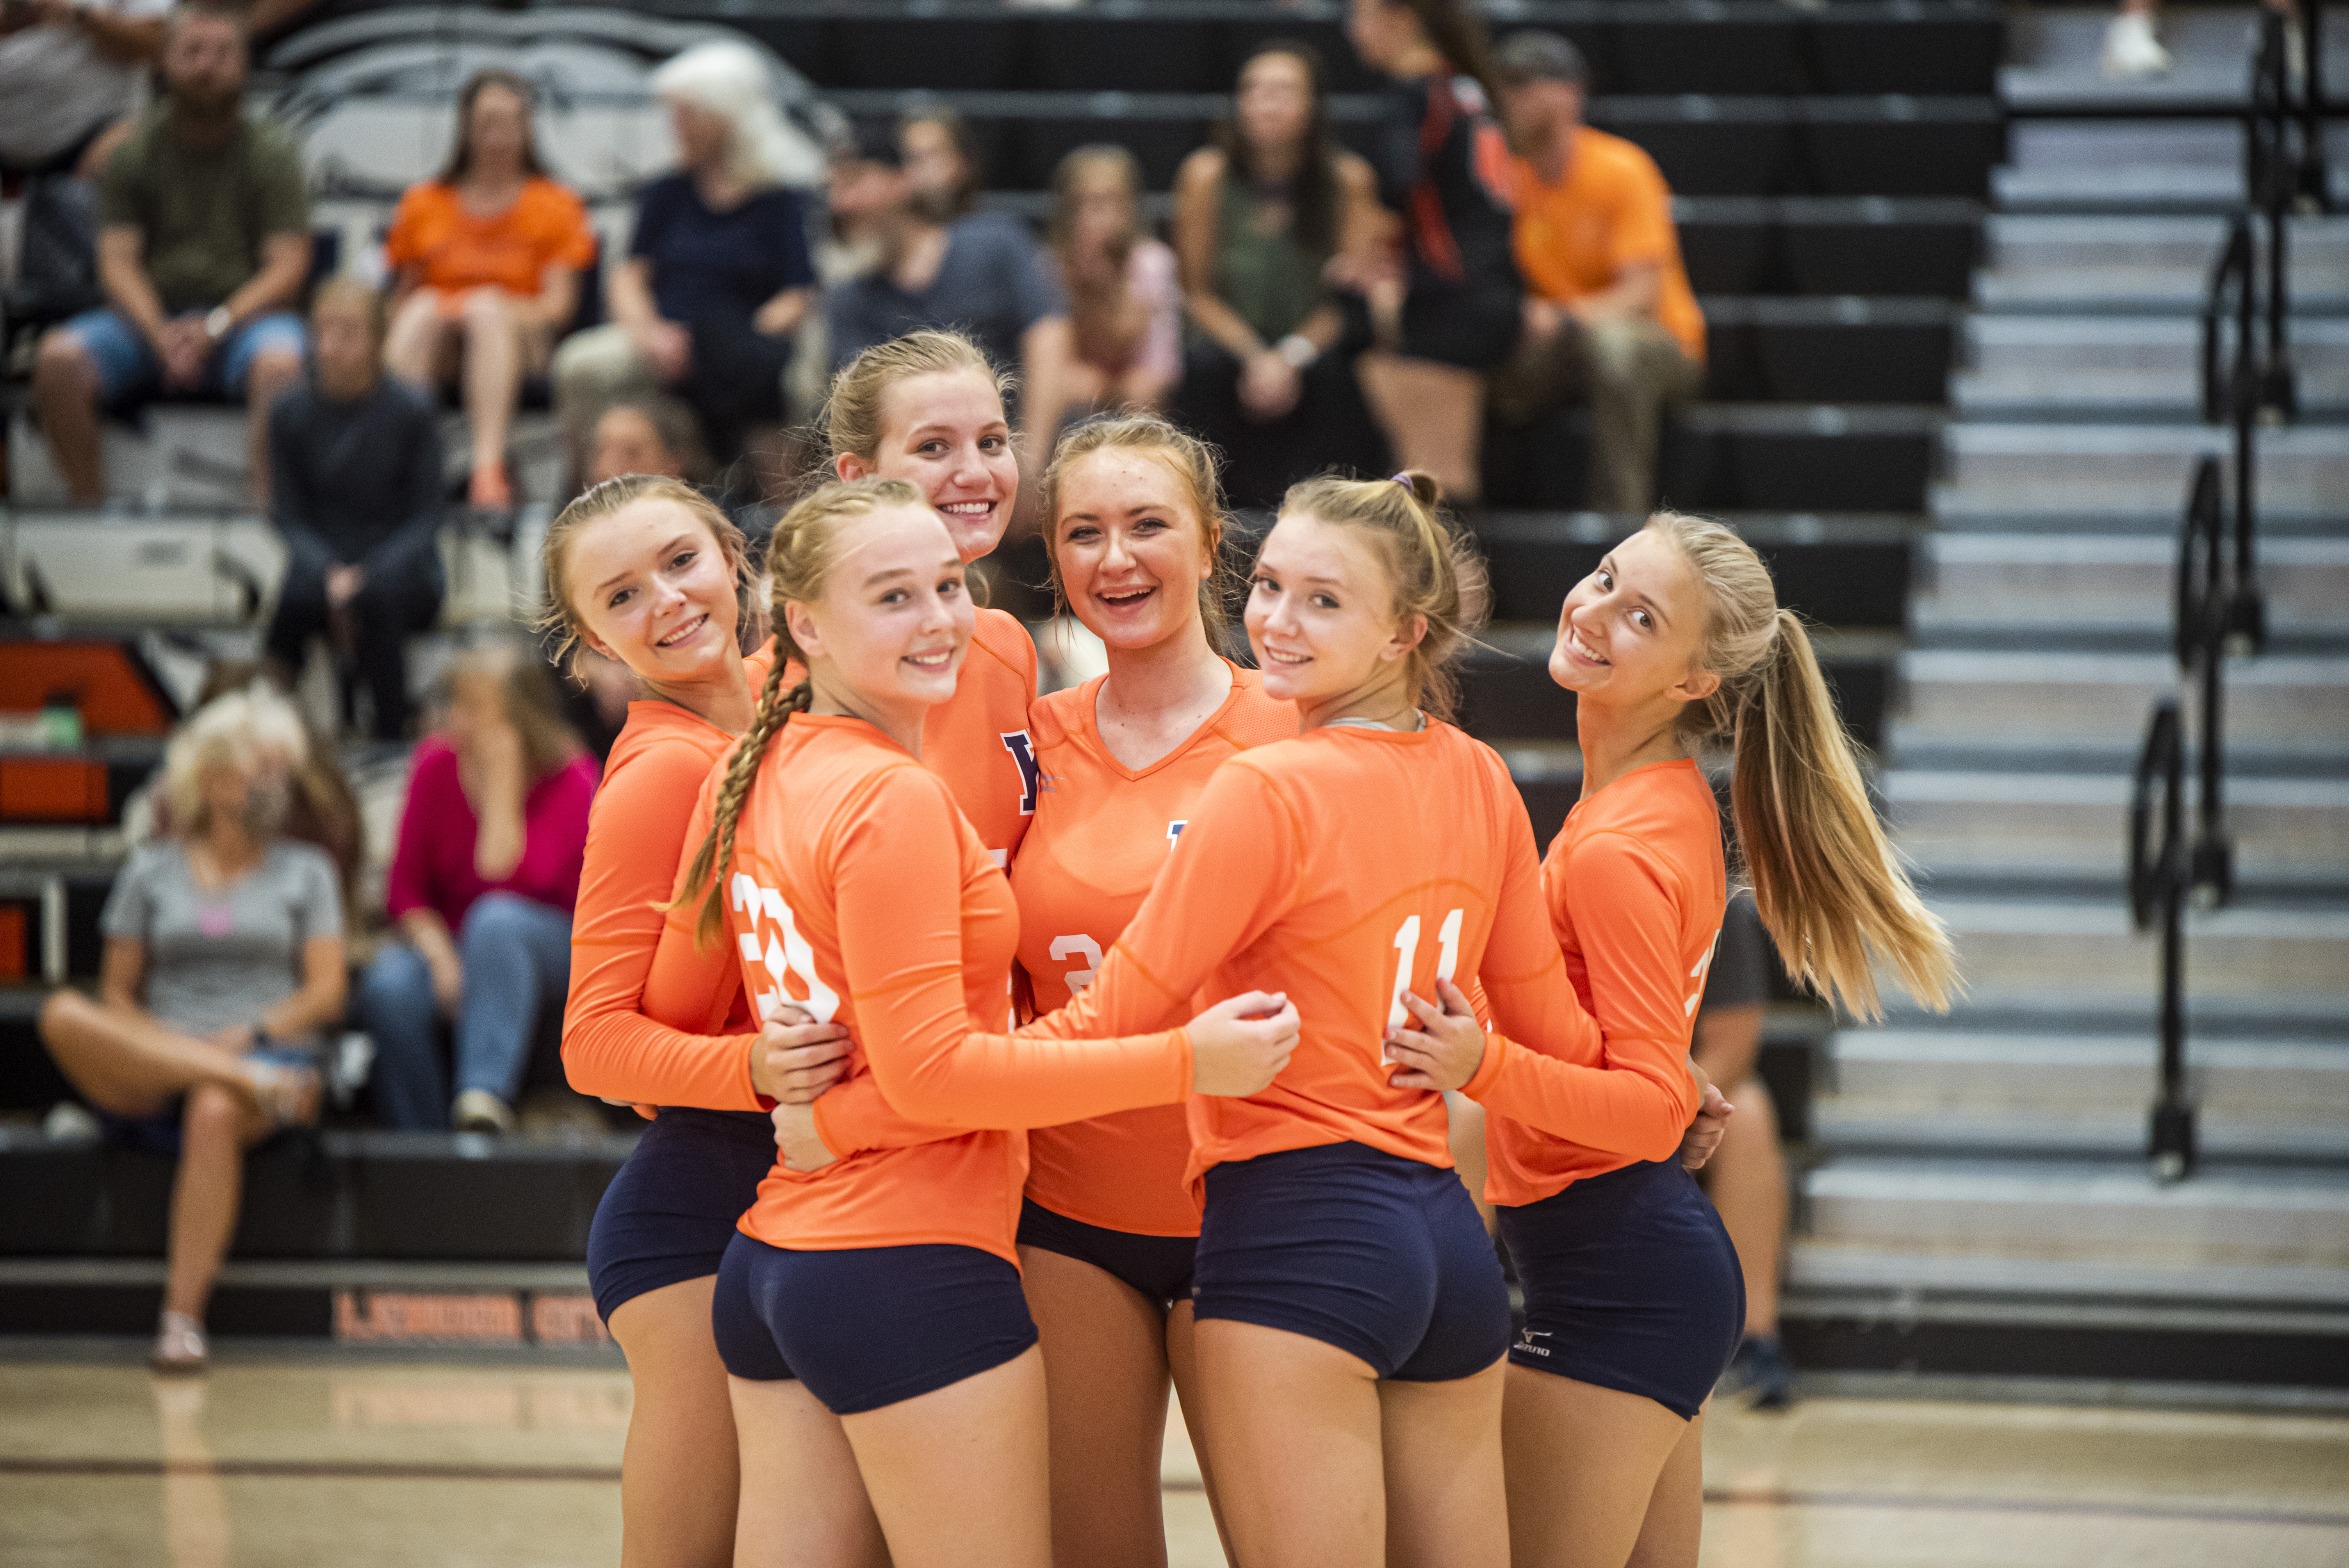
<point x="129" y="371"/>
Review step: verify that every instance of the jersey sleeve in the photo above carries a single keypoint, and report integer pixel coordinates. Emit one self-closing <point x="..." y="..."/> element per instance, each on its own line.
<point x="615" y="1044"/>
<point x="1618" y="1082"/>
<point x="1232" y="874"/>
<point x="897" y="849"/>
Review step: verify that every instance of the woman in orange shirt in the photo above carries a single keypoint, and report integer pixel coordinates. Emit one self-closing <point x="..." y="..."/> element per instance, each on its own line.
<point x="488" y="255"/>
<point x="1634" y="1303"/>
<point x="879" y="1295"/>
<point x="645" y="571"/>
<point x="1351" y="1318"/>
<point x="1109" y="1226"/>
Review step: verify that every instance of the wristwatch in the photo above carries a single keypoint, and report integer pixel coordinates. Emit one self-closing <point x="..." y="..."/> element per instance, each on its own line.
<point x="217" y="324"/>
<point x="1297" y="351"/>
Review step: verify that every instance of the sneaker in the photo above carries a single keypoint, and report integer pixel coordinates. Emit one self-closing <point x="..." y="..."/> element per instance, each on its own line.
<point x="180" y="1346"/>
<point x="2132" y="53"/>
<point x="1759" y="1376"/>
<point x="478" y="1111"/>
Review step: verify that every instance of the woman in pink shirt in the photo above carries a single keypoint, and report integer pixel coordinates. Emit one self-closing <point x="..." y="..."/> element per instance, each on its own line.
<point x="483" y="882"/>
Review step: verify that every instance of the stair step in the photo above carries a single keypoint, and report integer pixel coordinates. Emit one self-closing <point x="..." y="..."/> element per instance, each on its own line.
<point x="2057" y="63"/>
<point x="2066" y="826"/>
<point x="2084" y="1212"/>
<point x="2069" y="468"/>
<point x="2087" y="953"/>
<point x="2012" y="576"/>
<point x="2139" y="164"/>
<point x="1816" y="1264"/>
<point x="2113" y="367"/>
<point x="2288" y="705"/>
<point x="2141" y="264"/>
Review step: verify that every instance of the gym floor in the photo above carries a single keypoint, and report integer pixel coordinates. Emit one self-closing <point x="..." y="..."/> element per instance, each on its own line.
<point x="299" y="1456"/>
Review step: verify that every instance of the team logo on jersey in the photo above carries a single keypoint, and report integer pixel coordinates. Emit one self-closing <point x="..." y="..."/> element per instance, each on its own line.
<point x="1689" y="1008"/>
<point x="1174" y="832"/>
<point x="1023" y="752"/>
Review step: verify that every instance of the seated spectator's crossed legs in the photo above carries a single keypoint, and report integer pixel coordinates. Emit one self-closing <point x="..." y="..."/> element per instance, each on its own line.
<point x="396" y="1007"/>
<point x="99" y="360"/>
<point x="1629" y="369"/>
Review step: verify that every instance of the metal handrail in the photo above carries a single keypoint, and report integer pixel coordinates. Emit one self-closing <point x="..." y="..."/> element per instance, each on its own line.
<point x="2236" y="393"/>
<point x="2199" y="639"/>
<point x="2158" y="878"/>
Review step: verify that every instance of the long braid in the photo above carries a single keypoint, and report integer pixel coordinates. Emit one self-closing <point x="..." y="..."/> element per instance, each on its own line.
<point x="717" y="851"/>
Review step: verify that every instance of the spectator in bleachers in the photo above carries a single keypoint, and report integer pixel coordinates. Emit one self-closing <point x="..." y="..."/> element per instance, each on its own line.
<point x="488" y="255"/>
<point x="1610" y="317"/>
<point x="356" y="495"/>
<point x="647" y="437"/>
<point x="1746" y="1179"/>
<point x="1445" y="311"/>
<point x="70" y="76"/>
<point x="203" y="246"/>
<point x="1268" y="377"/>
<point x="718" y="277"/>
<point x="223" y="965"/>
<point x="483" y="878"/>
<point x="1125" y="307"/>
<point x="941" y="264"/>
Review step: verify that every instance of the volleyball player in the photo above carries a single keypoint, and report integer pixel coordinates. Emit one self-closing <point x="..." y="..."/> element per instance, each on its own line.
<point x="1107" y="1234"/>
<point x="889" y="1281"/>
<point x="647" y="572"/>
<point x="1634" y="1303"/>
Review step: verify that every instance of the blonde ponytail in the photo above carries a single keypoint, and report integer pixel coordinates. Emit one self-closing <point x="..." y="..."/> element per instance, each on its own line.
<point x="798" y="561"/>
<point x="1827" y="883"/>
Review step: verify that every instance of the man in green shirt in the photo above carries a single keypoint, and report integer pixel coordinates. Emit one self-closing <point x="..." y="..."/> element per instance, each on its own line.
<point x="205" y="246"/>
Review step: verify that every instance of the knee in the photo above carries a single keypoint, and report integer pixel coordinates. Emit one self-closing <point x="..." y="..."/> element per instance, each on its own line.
<point x="215" y="1117"/>
<point x="62" y="360"/>
<point x="273" y="369"/>
<point x="496" y="918"/>
<point x="396" y="982"/>
<point x="61" y="1017"/>
<point x="487" y="310"/>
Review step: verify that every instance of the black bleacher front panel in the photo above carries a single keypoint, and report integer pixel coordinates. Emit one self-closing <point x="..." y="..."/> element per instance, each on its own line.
<point x="1841" y="350"/>
<point x="1868" y="245"/>
<point x="1851" y="572"/>
<point x="1715" y="458"/>
<point x="1504" y="697"/>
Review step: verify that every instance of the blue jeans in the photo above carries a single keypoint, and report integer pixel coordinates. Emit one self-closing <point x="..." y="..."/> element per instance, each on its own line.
<point x="517" y="960"/>
<point x="129" y="369"/>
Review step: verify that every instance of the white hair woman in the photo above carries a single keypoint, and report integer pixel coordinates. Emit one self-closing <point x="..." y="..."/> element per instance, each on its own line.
<point x="223" y="963"/>
<point x="718" y="276"/>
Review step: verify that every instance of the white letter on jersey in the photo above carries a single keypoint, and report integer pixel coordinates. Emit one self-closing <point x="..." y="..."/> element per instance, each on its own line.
<point x="1067" y="948"/>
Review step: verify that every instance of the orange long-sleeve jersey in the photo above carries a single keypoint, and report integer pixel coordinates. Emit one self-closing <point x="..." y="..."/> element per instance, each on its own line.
<point x="634" y="1029"/>
<point x="1101" y="834"/>
<point x="979" y="741"/>
<point x="1341" y="867"/>
<point x="859" y="890"/>
<point x="1636" y="888"/>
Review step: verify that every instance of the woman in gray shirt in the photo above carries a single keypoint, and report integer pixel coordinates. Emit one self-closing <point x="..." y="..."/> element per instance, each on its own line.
<point x="223" y="962"/>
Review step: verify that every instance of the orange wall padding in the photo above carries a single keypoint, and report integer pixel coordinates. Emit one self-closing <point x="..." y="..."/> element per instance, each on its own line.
<point x="52" y="789"/>
<point x="114" y="696"/>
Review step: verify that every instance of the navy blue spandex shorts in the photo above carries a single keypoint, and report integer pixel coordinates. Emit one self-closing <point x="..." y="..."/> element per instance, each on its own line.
<point x="867" y="1326"/>
<point x="668" y="1214"/>
<point x="1380" y="1256"/>
<point x="1631" y="1283"/>
<point x="1159" y="1267"/>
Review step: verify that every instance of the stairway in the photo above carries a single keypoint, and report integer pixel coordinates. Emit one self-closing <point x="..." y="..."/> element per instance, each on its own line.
<point x="1981" y="1201"/>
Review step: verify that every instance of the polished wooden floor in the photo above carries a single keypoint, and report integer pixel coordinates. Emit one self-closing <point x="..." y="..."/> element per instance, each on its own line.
<point x="373" y="1463"/>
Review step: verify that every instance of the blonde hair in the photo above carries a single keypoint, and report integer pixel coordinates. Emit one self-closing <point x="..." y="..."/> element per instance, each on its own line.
<point x="227" y="732"/>
<point x="1434" y="571"/>
<point x="728" y="79"/>
<point x="1828" y="885"/>
<point x="1192" y="462"/>
<point x="851" y="413"/>
<point x="799" y="563"/>
<point x="561" y="617"/>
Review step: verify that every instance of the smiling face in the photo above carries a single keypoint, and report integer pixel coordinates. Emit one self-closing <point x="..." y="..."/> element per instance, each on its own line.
<point x="888" y="632"/>
<point x="1131" y="547"/>
<point x="1321" y="617"/>
<point x="1633" y="631"/>
<point x="945" y="433"/>
<point x="652" y="590"/>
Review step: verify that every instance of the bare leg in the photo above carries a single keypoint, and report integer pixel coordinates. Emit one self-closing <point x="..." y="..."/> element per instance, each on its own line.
<point x="1433" y="417"/>
<point x="494" y="358"/>
<point x="1668" y="1538"/>
<point x="1294" y="1435"/>
<point x="802" y="1504"/>
<point x="679" y="1474"/>
<point x="960" y="1476"/>
<point x="1749" y="1189"/>
<point x="414" y="348"/>
<point x="1446" y="1501"/>
<point x="1183" y="1362"/>
<point x="1583" y="1462"/>
<point x="129" y="1065"/>
<point x="65" y="390"/>
<point x="1105" y="1380"/>
<point x="270" y="374"/>
<point x="1466" y="1137"/>
<point x="216" y="1130"/>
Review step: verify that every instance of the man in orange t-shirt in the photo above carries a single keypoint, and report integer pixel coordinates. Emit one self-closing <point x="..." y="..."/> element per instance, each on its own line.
<point x="1610" y="317"/>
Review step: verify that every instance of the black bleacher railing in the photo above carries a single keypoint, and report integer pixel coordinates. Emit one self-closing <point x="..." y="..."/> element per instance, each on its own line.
<point x="2159" y="875"/>
<point x="2236" y="392"/>
<point x="2200" y="636"/>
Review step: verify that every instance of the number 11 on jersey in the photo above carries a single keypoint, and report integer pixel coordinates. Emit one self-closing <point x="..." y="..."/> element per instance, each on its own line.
<point x="1406" y="942"/>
